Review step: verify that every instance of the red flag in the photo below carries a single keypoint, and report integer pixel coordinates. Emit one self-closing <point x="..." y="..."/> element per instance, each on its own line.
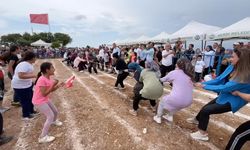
<point x="69" y="82"/>
<point x="39" y="18"/>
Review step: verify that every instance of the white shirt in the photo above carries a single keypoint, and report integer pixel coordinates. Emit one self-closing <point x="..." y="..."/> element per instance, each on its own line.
<point x="18" y="83"/>
<point x="209" y="58"/>
<point x="115" y="50"/>
<point x="150" y="55"/>
<point x="199" y="66"/>
<point x="101" y="53"/>
<point x="167" y="61"/>
<point x="106" y="57"/>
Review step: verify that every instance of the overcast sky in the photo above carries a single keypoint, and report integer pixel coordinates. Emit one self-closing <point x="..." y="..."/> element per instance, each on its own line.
<point x="95" y="22"/>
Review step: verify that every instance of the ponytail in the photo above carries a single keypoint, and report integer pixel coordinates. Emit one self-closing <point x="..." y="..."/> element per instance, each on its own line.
<point x="38" y="76"/>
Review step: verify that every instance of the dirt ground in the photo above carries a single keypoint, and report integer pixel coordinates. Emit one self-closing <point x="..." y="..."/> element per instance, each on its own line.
<point x="95" y="116"/>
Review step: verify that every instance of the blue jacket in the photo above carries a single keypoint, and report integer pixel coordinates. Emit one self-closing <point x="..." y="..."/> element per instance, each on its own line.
<point x="224" y="89"/>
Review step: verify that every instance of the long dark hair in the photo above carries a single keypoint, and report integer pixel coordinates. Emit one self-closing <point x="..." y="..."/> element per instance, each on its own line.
<point x="43" y="68"/>
<point x="185" y="65"/>
<point x="28" y="55"/>
<point x="241" y="69"/>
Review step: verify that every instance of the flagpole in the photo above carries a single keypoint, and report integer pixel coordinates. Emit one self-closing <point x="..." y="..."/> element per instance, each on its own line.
<point x="31" y="29"/>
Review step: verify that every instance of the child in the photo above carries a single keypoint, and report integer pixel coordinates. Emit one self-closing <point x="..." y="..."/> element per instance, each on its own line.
<point x="44" y="86"/>
<point x="199" y="68"/>
<point x="181" y="95"/>
<point x="122" y="69"/>
<point x="136" y="68"/>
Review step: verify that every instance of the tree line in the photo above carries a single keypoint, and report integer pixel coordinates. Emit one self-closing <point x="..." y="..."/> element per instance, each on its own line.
<point x="57" y="39"/>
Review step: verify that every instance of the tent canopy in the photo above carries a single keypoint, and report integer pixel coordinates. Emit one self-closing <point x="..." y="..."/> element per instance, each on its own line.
<point x="240" y="29"/>
<point x="193" y="31"/>
<point x="40" y="43"/>
<point x="163" y="37"/>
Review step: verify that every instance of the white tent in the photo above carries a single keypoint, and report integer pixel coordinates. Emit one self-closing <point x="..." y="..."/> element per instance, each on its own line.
<point x="141" y="40"/>
<point x="240" y="29"/>
<point x="163" y="37"/>
<point x="127" y="41"/>
<point x="193" y="31"/>
<point x="41" y="43"/>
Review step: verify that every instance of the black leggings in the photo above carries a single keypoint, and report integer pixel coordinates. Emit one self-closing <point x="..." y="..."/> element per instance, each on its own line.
<point x="209" y="109"/>
<point x="92" y="64"/>
<point x="240" y="136"/>
<point x="137" y="100"/>
<point x="120" y="79"/>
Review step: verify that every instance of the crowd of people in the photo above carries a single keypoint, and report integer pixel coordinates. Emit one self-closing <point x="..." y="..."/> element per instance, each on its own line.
<point x="225" y="72"/>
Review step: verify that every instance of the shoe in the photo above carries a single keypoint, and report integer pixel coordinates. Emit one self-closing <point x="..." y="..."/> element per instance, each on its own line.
<point x="133" y="112"/>
<point x="2" y="110"/>
<point x="46" y="139"/>
<point x="5" y="139"/>
<point x="193" y="121"/>
<point x="199" y="136"/>
<point x="57" y="123"/>
<point x="116" y="87"/>
<point x="157" y="119"/>
<point x="15" y="104"/>
<point x="81" y="71"/>
<point x="28" y="118"/>
<point x="168" y="117"/>
<point x="154" y="108"/>
<point x="122" y="88"/>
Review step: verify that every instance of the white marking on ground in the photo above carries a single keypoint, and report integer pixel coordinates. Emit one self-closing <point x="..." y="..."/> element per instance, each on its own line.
<point x="21" y="143"/>
<point x="73" y="130"/>
<point x="209" y="145"/>
<point x="132" y="131"/>
<point x="218" y="123"/>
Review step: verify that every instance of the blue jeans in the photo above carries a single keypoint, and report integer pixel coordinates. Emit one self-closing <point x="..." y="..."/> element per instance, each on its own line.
<point x="25" y="98"/>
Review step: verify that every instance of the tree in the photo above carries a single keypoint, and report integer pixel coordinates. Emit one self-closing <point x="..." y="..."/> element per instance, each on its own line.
<point x="26" y="39"/>
<point x="11" y="38"/>
<point x="56" y="44"/>
<point x="64" y="38"/>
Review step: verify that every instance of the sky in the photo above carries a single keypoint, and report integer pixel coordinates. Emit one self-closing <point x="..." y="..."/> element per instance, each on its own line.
<point x="94" y="22"/>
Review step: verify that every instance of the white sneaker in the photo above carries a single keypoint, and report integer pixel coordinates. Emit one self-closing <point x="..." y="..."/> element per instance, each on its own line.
<point x="133" y="112"/>
<point x="157" y="119"/>
<point x="81" y="71"/>
<point x="57" y="123"/>
<point x="199" y="136"/>
<point x="168" y="117"/>
<point x="28" y="118"/>
<point x="122" y="88"/>
<point x="116" y="87"/>
<point x="193" y="121"/>
<point x="46" y="139"/>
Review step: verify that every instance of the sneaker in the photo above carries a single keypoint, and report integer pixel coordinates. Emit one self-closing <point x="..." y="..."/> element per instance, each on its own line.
<point x="199" y="136"/>
<point x="122" y="88"/>
<point x="4" y="109"/>
<point x="168" y="117"/>
<point x="5" y="139"/>
<point x="46" y="139"/>
<point x="157" y="119"/>
<point x="28" y="118"/>
<point x="15" y="104"/>
<point x="57" y="123"/>
<point x="133" y="112"/>
<point x="193" y="121"/>
<point x="81" y="71"/>
<point x="116" y="87"/>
